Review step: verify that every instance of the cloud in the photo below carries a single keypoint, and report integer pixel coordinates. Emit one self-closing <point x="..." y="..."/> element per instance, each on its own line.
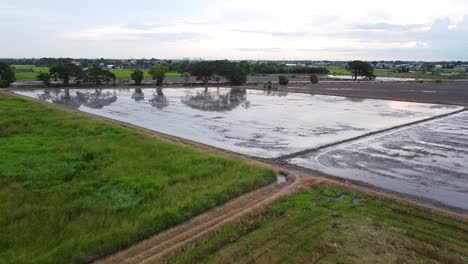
<point x="132" y="32"/>
<point x="260" y="49"/>
<point x="273" y="33"/>
<point x="390" y="27"/>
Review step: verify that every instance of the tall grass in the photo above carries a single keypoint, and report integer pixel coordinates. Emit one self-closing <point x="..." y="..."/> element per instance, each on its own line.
<point x="72" y="188"/>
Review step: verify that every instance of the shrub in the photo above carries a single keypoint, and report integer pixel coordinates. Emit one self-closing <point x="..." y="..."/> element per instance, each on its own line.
<point x="7" y="75"/>
<point x="137" y="76"/>
<point x="44" y="78"/>
<point x="283" y="80"/>
<point x="268" y="85"/>
<point x="314" y="79"/>
<point x="438" y="81"/>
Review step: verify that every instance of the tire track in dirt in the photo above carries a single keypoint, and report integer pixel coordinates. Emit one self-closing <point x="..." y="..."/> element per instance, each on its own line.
<point x="168" y="243"/>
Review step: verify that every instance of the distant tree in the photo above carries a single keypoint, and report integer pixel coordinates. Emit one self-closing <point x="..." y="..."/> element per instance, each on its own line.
<point x="186" y="77"/>
<point x="137" y="76"/>
<point x="283" y="80"/>
<point x="403" y="69"/>
<point x="204" y="71"/>
<point x="237" y="73"/>
<point x="98" y="75"/>
<point x="7" y="75"/>
<point x="44" y="78"/>
<point x="361" y="68"/>
<point x="159" y="73"/>
<point x="65" y="72"/>
<point x="314" y="79"/>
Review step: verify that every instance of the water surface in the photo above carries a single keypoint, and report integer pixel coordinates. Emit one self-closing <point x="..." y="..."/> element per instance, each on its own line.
<point x="265" y="124"/>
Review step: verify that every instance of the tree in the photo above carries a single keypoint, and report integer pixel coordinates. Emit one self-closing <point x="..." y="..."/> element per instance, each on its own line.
<point x="314" y="79"/>
<point x="44" y="78"/>
<point x="283" y="80"/>
<point x="361" y="68"/>
<point x="186" y="78"/>
<point x="7" y="75"/>
<point x="203" y="71"/>
<point x="97" y="75"/>
<point x="65" y="72"/>
<point x="237" y="73"/>
<point x="137" y="76"/>
<point x="159" y="73"/>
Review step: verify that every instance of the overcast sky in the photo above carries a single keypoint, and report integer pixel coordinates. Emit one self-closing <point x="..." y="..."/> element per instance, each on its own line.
<point x="236" y="29"/>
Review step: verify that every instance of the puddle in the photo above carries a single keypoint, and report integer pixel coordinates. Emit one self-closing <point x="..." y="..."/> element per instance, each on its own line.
<point x="251" y="122"/>
<point x="280" y="178"/>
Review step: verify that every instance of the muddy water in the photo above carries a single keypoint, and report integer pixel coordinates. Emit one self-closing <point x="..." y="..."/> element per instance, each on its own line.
<point x="257" y="123"/>
<point x="428" y="160"/>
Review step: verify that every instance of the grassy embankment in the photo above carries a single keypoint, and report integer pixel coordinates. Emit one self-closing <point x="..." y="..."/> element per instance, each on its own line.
<point x="390" y="73"/>
<point x="30" y="72"/>
<point x="322" y="225"/>
<point x="72" y="187"/>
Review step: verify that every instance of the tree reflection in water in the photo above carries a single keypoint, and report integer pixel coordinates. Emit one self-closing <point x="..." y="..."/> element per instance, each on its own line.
<point x="95" y="100"/>
<point x="138" y="95"/>
<point x="275" y="93"/>
<point x="216" y="100"/>
<point x="159" y="100"/>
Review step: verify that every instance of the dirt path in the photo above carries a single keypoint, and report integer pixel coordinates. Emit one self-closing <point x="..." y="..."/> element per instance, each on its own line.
<point x="168" y="243"/>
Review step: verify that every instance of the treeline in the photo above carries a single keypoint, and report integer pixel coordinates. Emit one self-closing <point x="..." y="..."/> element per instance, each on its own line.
<point x="181" y="66"/>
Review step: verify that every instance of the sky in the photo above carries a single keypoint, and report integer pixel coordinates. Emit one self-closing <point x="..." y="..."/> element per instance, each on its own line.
<point x="427" y="30"/>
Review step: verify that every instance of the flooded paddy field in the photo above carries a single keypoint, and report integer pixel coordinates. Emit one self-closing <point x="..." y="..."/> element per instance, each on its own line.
<point x="258" y="123"/>
<point x="429" y="160"/>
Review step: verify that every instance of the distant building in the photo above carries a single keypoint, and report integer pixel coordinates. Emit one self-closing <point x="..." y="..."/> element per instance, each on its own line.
<point x="438" y="67"/>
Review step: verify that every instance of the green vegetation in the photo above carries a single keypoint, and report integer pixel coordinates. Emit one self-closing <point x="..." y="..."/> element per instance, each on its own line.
<point x="137" y="77"/>
<point x="127" y="74"/>
<point x="7" y="75"/>
<point x="72" y="187"/>
<point x="283" y="80"/>
<point x="158" y="73"/>
<point x="44" y="78"/>
<point x="98" y="75"/>
<point x="314" y="79"/>
<point x="234" y="72"/>
<point x="417" y="74"/>
<point x="65" y="72"/>
<point x="361" y="68"/>
<point x="28" y="72"/>
<point x="325" y="225"/>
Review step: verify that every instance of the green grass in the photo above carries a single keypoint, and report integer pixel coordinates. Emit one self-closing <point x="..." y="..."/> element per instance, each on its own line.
<point x="28" y="72"/>
<point x="390" y="73"/>
<point x="72" y="187"/>
<point x="314" y="227"/>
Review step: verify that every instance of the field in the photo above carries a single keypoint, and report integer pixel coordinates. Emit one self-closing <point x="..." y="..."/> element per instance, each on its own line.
<point x="331" y="224"/>
<point x="72" y="188"/>
<point x="390" y="73"/>
<point x="30" y="72"/>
